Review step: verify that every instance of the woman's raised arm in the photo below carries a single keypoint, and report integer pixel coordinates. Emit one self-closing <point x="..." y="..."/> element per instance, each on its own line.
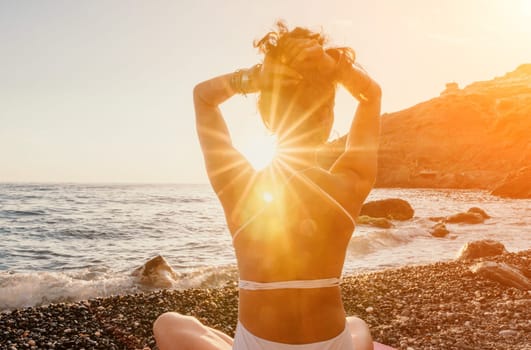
<point x="359" y="161"/>
<point x="227" y="169"/>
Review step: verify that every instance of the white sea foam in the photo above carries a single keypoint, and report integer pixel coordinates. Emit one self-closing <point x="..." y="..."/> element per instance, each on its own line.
<point x="27" y="289"/>
<point x="208" y="277"/>
<point x="36" y="288"/>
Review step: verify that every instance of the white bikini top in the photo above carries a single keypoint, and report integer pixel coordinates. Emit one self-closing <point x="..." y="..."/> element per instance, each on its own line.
<point x="293" y="284"/>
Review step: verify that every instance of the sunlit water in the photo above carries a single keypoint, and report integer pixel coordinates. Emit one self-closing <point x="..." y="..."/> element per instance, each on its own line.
<point x="69" y="241"/>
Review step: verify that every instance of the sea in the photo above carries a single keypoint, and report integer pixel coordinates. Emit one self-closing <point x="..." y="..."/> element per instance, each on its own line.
<point x="70" y="242"/>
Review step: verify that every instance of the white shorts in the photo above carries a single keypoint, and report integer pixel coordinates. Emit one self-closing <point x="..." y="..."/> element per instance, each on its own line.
<point x="245" y="340"/>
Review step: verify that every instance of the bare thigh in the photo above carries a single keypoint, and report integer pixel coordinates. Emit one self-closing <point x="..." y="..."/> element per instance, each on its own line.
<point x="361" y="335"/>
<point x="174" y="331"/>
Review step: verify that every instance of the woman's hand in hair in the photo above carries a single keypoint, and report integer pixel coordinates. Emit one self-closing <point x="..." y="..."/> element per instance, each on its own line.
<point x="307" y="56"/>
<point x="274" y="74"/>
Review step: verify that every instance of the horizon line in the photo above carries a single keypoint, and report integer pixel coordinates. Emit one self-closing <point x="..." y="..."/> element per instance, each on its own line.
<point x="98" y="183"/>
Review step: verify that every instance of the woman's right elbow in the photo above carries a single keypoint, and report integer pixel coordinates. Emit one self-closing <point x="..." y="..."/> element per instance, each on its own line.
<point x="375" y="91"/>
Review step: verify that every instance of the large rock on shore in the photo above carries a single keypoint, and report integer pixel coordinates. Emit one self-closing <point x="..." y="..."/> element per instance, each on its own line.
<point x="465" y="218"/>
<point x="502" y="273"/>
<point x="515" y="185"/>
<point x="392" y="208"/>
<point x="482" y="248"/>
<point x="479" y="211"/>
<point x="156" y="273"/>
<point x="474" y="215"/>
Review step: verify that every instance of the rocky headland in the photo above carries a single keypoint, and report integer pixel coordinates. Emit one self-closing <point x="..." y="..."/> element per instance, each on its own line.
<point x="476" y="137"/>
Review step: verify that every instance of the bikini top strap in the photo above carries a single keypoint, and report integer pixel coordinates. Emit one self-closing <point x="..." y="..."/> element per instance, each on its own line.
<point x="245" y="224"/>
<point x="294" y="284"/>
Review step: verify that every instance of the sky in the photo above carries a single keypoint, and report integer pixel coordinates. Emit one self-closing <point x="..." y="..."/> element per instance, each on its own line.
<point x="101" y="91"/>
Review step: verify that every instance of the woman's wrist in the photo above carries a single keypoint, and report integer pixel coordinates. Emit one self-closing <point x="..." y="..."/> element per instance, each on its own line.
<point x="353" y="77"/>
<point x="246" y="81"/>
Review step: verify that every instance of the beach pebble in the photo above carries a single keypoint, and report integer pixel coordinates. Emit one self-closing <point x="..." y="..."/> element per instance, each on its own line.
<point x="507" y="333"/>
<point x="439" y="230"/>
<point x="369" y="310"/>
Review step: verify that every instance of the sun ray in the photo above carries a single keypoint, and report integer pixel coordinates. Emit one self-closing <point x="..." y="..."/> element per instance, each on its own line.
<point x="242" y="203"/>
<point x="223" y="169"/>
<point x="287" y="134"/>
<point x="214" y="135"/>
<point x="234" y="180"/>
<point x="287" y="112"/>
<point x="309" y="184"/>
<point x="246" y="190"/>
<point x="275" y="96"/>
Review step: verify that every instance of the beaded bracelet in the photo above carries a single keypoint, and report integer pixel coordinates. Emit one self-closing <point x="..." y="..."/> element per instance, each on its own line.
<point x="243" y="81"/>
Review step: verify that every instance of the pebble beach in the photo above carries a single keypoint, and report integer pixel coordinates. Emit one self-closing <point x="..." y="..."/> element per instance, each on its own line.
<point x="436" y="306"/>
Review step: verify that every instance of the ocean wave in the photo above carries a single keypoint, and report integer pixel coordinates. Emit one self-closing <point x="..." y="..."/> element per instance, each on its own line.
<point x="379" y="240"/>
<point x="208" y="277"/>
<point x="15" y="213"/>
<point x="43" y="189"/>
<point x="26" y="289"/>
<point x="84" y="233"/>
<point x="193" y="200"/>
<point x="19" y="290"/>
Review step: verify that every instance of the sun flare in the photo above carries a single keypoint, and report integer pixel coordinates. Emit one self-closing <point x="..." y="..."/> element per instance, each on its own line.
<point x="261" y="150"/>
<point x="268" y="197"/>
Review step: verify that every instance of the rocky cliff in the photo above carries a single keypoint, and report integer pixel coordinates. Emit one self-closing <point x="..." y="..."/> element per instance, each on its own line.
<point x="465" y="138"/>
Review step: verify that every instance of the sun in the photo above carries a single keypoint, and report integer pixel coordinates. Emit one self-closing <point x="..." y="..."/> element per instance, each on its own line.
<point x="261" y="150"/>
